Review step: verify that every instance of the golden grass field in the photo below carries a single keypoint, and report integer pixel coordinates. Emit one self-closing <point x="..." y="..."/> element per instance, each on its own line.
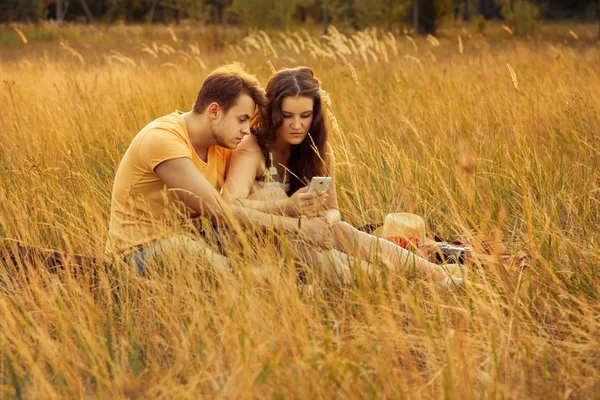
<point x="491" y="138"/>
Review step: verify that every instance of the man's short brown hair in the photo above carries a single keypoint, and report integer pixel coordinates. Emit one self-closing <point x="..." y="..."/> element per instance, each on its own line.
<point x="225" y="84"/>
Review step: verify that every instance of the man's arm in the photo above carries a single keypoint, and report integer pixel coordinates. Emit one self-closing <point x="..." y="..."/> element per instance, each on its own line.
<point x="181" y="176"/>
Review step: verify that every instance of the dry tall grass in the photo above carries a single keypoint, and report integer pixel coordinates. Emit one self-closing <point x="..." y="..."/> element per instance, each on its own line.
<point x="503" y="158"/>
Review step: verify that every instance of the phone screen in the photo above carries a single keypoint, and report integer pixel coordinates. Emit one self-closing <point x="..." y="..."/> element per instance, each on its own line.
<point x="320" y="183"/>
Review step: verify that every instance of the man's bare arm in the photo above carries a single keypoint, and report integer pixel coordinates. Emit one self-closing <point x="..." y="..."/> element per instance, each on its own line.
<point x="181" y="176"/>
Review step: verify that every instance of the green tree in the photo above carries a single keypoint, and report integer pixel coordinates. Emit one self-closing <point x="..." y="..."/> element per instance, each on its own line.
<point x="384" y="13"/>
<point x="523" y="16"/>
<point x="195" y="9"/>
<point x="27" y="10"/>
<point x="215" y="10"/>
<point x="130" y="10"/>
<point x="263" y="13"/>
<point x="341" y="12"/>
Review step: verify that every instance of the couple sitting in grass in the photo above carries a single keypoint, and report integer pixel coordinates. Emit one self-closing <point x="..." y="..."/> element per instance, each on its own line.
<point x="242" y="159"/>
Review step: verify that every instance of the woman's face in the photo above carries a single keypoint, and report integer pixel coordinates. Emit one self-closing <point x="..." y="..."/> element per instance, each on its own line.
<point x="297" y="115"/>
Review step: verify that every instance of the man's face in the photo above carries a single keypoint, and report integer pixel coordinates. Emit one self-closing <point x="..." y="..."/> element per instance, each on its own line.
<point x="230" y="128"/>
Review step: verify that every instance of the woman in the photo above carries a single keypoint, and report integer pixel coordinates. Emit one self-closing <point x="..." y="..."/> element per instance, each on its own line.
<point x="288" y="146"/>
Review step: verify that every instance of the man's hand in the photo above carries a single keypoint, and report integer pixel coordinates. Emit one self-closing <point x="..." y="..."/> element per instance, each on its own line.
<point x="306" y="204"/>
<point x="332" y="215"/>
<point x="319" y="231"/>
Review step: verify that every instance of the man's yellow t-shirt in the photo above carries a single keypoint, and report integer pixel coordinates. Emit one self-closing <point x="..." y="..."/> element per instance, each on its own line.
<point x="141" y="207"/>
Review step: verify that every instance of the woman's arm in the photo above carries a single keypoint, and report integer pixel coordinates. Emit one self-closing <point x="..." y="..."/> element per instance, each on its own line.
<point x="246" y="163"/>
<point x="331" y="212"/>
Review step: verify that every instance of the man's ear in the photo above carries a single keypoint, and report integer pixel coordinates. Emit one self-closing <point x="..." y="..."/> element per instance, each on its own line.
<point x="213" y="110"/>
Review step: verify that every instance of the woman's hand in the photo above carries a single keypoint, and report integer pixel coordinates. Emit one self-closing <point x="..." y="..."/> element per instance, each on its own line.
<point x="306" y="204"/>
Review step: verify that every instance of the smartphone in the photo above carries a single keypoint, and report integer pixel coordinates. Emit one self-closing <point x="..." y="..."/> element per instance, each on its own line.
<point x="319" y="183"/>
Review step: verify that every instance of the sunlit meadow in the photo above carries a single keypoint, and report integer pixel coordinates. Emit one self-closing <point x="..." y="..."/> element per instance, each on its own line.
<point x="491" y="138"/>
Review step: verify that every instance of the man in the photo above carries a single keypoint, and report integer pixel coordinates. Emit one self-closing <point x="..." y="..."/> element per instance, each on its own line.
<point x="175" y="167"/>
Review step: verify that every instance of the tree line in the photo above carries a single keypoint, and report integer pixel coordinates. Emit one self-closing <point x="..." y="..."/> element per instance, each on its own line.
<point x="422" y="15"/>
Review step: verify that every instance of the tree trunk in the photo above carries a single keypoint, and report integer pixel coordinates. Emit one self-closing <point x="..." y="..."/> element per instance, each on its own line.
<point x="416" y="6"/>
<point x="178" y="16"/>
<point x="486" y="8"/>
<point x="598" y="15"/>
<point x="325" y="20"/>
<point x="129" y="11"/>
<point x="59" y="11"/>
<point x="303" y="14"/>
<point x="456" y="9"/>
<point x="218" y="19"/>
<point x="87" y="11"/>
<point x="466" y="11"/>
<point x="424" y="16"/>
<point x="165" y="21"/>
<point x="152" y="10"/>
<point x="429" y="17"/>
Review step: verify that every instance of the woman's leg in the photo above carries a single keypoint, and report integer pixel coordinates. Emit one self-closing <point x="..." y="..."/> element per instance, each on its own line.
<point x="332" y="264"/>
<point x="348" y="239"/>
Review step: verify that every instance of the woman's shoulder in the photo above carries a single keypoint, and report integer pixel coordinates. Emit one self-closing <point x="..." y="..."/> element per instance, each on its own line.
<point x="250" y="151"/>
<point x="249" y="144"/>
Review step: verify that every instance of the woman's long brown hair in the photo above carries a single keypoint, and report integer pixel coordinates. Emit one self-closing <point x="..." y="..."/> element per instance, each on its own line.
<point x="307" y="157"/>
